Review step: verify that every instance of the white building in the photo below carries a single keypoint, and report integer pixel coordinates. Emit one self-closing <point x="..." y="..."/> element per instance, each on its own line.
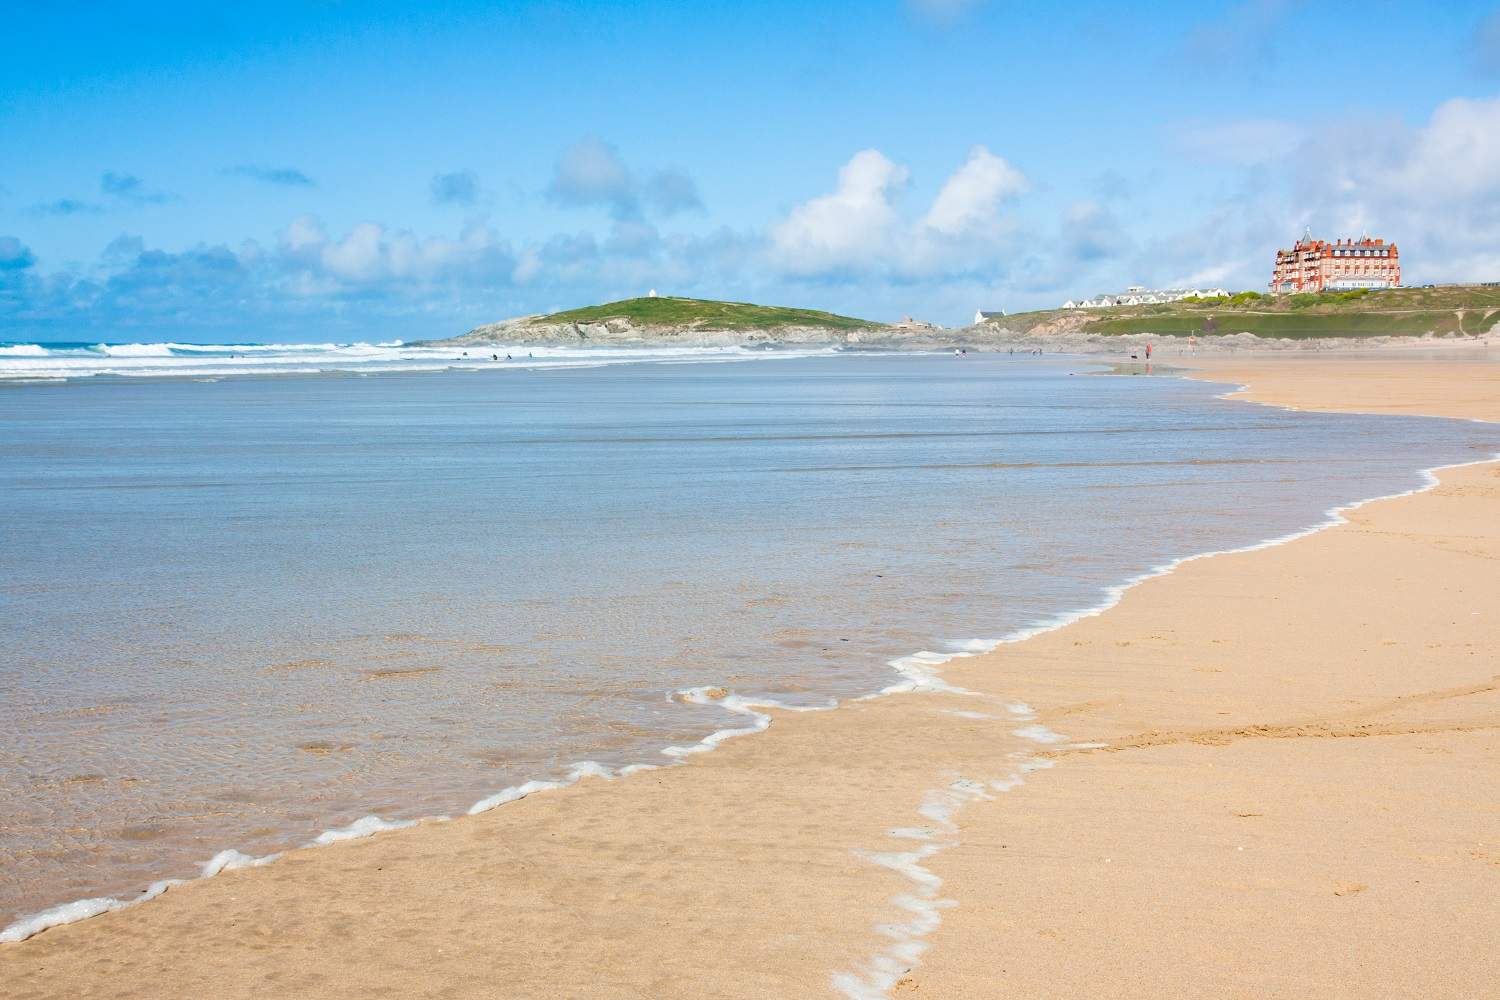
<point x="980" y="316"/>
<point x="1135" y="295"/>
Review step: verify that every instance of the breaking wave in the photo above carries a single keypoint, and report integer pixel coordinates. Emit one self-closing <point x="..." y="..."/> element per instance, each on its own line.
<point x="51" y="362"/>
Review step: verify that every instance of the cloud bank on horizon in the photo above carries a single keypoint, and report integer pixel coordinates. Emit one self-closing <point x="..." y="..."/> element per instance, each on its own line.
<point x="964" y="185"/>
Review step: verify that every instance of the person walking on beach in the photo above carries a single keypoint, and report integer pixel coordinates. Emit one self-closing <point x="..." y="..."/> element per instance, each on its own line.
<point x="1148" y="350"/>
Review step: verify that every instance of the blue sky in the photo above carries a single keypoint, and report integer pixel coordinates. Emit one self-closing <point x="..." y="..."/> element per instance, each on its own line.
<point x="340" y="170"/>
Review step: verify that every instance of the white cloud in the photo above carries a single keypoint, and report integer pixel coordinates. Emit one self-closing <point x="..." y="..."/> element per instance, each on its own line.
<point x="303" y="233"/>
<point x="360" y="256"/>
<point x="859" y="228"/>
<point x="973" y="194"/>
<point x="632" y="238"/>
<point x="1216" y="274"/>
<point x="371" y="255"/>
<point x="848" y="228"/>
<point x="1434" y="189"/>
<point x="590" y="171"/>
<point x="1455" y="156"/>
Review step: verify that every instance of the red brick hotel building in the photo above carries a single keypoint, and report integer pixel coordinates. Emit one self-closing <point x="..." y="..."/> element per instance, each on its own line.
<point x="1318" y="265"/>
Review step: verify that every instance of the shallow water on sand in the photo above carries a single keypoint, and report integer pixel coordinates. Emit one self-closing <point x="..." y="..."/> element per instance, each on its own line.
<point x="241" y="612"/>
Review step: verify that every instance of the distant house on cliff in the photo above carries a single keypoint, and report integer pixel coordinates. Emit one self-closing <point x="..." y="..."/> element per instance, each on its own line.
<point x="981" y="316"/>
<point x="907" y="323"/>
<point x="1136" y="295"/>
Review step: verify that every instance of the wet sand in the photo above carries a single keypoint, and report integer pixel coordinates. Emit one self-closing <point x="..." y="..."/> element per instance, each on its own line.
<point x="1299" y="795"/>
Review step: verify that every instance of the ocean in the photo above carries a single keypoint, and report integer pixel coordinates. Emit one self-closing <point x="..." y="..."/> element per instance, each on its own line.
<point x="255" y="594"/>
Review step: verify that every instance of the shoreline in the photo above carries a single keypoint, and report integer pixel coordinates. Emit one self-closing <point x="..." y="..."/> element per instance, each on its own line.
<point x="1293" y="793"/>
<point x="938" y="805"/>
<point x="920" y="671"/>
<point x="1111" y="350"/>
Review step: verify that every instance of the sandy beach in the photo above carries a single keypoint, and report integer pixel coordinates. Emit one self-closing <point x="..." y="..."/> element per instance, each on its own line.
<point x="1271" y="773"/>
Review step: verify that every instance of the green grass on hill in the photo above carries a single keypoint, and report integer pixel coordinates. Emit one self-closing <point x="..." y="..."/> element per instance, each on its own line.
<point x="1292" y="326"/>
<point x="706" y="314"/>
<point x="1394" y="312"/>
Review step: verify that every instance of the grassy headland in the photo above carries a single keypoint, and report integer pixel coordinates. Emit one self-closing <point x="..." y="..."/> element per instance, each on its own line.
<point x="705" y="314"/>
<point x="1394" y="312"/>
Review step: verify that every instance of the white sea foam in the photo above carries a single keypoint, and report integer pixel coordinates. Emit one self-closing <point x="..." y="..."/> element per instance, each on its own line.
<point x="1039" y="734"/>
<point x="922" y="907"/>
<point x="874" y="979"/>
<point x="79" y="909"/>
<point x="579" y="771"/>
<point x="716" y="697"/>
<point x="730" y="702"/>
<point x="134" y="350"/>
<point x="225" y="861"/>
<point x="67" y="913"/>
<point x="919" y="671"/>
<point x="1017" y="777"/>
<point x="365" y="826"/>
<point x="511" y="794"/>
<point x="232" y="860"/>
<point x="176" y="360"/>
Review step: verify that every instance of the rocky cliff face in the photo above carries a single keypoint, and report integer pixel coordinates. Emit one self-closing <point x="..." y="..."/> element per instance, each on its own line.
<point x="623" y="333"/>
<point x="1062" y="336"/>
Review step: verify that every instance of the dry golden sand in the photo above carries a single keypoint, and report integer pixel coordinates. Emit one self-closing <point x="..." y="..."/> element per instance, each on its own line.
<point x="1301" y="797"/>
